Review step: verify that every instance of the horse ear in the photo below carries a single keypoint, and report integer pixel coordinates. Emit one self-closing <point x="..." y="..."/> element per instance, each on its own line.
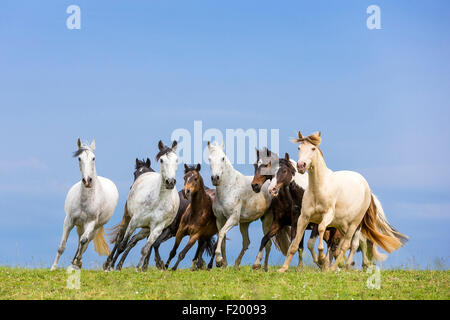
<point x="148" y="163"/>
<point x="79" y="143"/>
<point x="198" y="167"/>
<point x="286" y="156"/>
<point x="257" y="153"/>
<point x="209" y="145"/>
<point x="160" y="145"/>
<point x="174" y="145"/>
<point x="300" y="136"/>
<point x="222" y="144"/>
<point x="185" y="166"/>
<point x="137" y="162"/>
<point x="93" y="144"/>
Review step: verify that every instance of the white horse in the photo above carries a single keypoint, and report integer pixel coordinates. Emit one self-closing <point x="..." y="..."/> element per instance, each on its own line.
<point x="89" y="206"/>
<point x="340" y="199"/>
<point x="235" y="202"/>
<point x="153" y="201"/>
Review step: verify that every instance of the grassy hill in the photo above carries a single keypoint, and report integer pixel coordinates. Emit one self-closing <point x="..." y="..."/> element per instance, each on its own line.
<point x="19" y="283"/>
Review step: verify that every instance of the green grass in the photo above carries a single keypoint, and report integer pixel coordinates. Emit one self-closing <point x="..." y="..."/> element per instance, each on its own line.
<point x="18" y="283"/>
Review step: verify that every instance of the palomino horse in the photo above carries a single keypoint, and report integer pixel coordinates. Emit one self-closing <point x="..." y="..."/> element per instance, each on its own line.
<point x="198" y="221"/>
<point x="235" y="202"/>
<point x="287" y="187"/>
<point x="340" y="199"/>
<point x="89" y="206"/>
<point x="153" y="201"/>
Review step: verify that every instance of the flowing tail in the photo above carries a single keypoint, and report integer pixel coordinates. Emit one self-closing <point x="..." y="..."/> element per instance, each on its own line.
<point x="377" y="229"/>
<point x="282" y="240"/>
<point x="210" y="246"/>
<point x="118" y="231"/>
<point x="100" y="245"/>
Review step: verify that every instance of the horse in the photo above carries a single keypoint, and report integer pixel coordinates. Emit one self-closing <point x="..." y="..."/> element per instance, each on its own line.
<point x="142" y="166"/>
<point x="287" y="187"/>
<point x="198" y="221"/>
<point x="235" y="202"/>
<point x="153" y="202"/>
<point x="343" y="200"/>
<point x="118" y="232"/>
<point x="89" y="205"/>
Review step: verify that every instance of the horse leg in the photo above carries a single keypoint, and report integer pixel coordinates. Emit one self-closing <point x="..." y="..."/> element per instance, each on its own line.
<point x="173" y="252"/>
<point x="143" y="233"/>
<point x="353" y="248"/>
<point x="245" y="243"/>
<point x="183" y="252"/>
<point x="154" y="234"/>
<point x="364" y="251"/>
<point x="165" y="235"/>
<point x="211" y="261"/>
<point x="274" y="228"/>
<point x="67" y="227"/>
<point x="267" y="221"/>
<point x="197" y="262"/>
<point x="326" y="220"/>
<point x="344" y="245"/>
<point x="312" y="242"/>
<point x="232" y="221"/>
<point x="124" y="241"/>
<point x="86" y="237"/>
<point x="302" y="223"/>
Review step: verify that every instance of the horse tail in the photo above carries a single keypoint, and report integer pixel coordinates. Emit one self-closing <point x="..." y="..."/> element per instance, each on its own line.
<point x="117" y="232"/>
<point x="100" y="245"/>
<point x="210" y="246"/>
<point x="377" y="229"/>
<point x="282" y="240"/>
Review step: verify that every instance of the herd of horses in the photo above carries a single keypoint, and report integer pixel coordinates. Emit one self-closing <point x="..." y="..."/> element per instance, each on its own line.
<point x="288" y="197"/>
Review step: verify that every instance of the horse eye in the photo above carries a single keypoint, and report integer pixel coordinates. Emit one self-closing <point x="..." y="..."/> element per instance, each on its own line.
<point x="313" y="149"/>
<point x="79" y="159"/>
<point x="223" y="159"/>
<point x="93" y="159"/>
<point x="162" y="161"/>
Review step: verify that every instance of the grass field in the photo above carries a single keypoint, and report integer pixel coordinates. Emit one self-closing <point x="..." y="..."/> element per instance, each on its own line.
<point x="18" y="283"/>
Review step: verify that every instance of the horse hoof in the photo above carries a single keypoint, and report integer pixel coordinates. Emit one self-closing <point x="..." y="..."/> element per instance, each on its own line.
<point x="53" y="268"/>
<point x="256" y="266"/>
<point x="118" y="267"/>
<point x="219" y="261"/>
<point x="282" y="270"/>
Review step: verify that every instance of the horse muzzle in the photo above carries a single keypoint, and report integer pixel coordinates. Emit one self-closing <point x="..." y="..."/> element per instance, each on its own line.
<point x="301" y="167"/>
<point x="256" y="187"/>
<point x="274" y="192"/>
<point x="215" y="180"/>
<point x="170" y="183"/>
<point x="87" y="182"/>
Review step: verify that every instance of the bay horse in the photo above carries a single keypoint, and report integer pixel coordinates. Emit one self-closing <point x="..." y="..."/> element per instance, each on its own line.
<point x="287" y="187"/>
<point x="236" y="203"/>
<point x="152" y="203"/>
<point x="341" y="199"/>
<point x="89" y="205"/>
<point x="198" y="221"/>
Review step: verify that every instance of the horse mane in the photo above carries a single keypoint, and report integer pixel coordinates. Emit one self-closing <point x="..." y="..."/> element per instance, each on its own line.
<point x="140" y="163"/>
<point x="165" y="150"/>
<point x="81" y="150"/>
<point x="190" y="168"/>
<point x="315" y="139"/>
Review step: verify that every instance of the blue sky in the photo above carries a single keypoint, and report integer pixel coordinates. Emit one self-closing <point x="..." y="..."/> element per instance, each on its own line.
<point x="138" y="70"/>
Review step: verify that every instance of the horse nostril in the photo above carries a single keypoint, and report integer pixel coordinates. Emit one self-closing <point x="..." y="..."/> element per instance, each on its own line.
<point x="83" y="180"/>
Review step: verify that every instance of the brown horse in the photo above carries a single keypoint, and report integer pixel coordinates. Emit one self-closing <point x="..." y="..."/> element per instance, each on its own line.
<point x="198" y="221"/>
<point x="286" y="203"/>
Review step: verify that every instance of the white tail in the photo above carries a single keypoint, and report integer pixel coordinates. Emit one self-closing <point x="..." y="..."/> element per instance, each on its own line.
<point x="100" y="245"/>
